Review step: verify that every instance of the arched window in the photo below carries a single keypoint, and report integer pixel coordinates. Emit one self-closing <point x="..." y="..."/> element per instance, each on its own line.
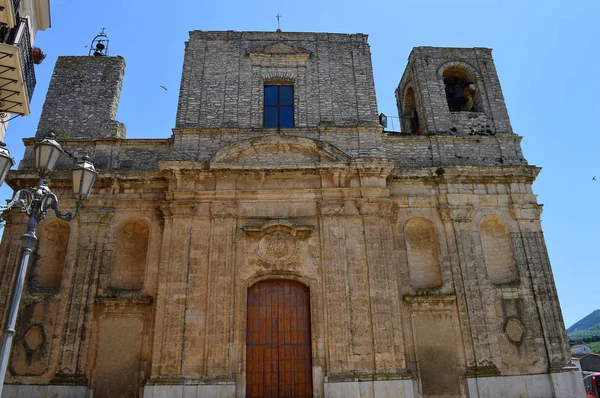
<point x="423" y="255"/>
<point x="461" y="90"/>
<point x="410" y="117"/>
<point x="51" y="254"/>
<point x="130" y="260"/>
<point x="498" y="251"/>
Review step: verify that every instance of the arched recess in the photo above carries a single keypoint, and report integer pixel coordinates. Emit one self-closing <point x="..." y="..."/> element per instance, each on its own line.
<point x="462" y="93"/>
<point x="423" y="254"/>
<point x="51" y="254"/>
<point x="498" y="251"/>
<point x="130" y="260"/>
<point x="410" y="117"/>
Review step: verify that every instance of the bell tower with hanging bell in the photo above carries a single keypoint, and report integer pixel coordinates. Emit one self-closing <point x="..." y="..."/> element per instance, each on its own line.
<point x="451" y="91"/>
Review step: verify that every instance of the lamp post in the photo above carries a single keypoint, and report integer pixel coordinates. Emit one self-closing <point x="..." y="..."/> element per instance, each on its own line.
<point x="36" y="202"/>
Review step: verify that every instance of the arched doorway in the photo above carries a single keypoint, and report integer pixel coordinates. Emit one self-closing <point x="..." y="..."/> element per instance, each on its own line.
<point x="278" y="343"/>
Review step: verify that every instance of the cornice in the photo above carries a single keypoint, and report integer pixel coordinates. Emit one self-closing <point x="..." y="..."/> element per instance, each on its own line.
<point x="462" y="174"/>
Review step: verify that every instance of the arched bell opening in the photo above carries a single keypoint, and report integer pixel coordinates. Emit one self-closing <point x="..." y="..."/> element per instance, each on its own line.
<point x="461" y="90"/>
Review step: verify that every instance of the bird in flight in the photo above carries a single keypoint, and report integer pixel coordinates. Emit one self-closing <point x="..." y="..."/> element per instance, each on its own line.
<point x="164" y="88"/>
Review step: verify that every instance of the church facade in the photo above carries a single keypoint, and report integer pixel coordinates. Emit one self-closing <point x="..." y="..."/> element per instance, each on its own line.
<point x="281" y="243"/>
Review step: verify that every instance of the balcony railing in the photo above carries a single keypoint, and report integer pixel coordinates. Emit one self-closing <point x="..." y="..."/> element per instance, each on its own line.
<point x="9" y="11"/>
<point x="17" y="76"/>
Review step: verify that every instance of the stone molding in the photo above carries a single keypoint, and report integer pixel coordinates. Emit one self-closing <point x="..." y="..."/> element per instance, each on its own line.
<point x="231" y="156"/>
<point x="376" y="207"/>
<point x="224" y="209"/>
<point x="279" y="225"/>
<point x="97" y="215"/>
<point x="526" y="212"/>
<point x="514" y="330"/>
<point x="278" y="52"/>
<point x="459" y="64"/>
<point x="459" y="214"/>
<point x="178" y="208"/>
<point x="331" y="208"/>
<point x="430" y="298"/>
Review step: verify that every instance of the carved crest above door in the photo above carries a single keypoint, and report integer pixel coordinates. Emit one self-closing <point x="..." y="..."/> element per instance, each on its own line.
<point x="278" y="247"/>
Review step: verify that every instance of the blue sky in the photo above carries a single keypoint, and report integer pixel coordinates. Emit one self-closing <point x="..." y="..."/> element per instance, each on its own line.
<point x="546" y="54"/>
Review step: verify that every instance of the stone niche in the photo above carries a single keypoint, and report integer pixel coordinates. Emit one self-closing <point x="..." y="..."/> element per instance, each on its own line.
<point x="498" y="251"/>
<point x="130" y="260"/>
<point x="50" y="257"/>
<point x="423" y="254"/>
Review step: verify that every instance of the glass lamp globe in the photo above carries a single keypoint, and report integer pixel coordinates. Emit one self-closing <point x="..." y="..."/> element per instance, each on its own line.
<point x="47" y="152"/>
<point x="84" y="175"/>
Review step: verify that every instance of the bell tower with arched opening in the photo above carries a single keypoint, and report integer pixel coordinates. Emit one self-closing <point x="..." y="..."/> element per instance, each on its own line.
<point x="451" y="91"/>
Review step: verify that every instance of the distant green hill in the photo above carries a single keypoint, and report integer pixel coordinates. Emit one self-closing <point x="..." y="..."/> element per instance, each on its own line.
<point x="587" y="328"/>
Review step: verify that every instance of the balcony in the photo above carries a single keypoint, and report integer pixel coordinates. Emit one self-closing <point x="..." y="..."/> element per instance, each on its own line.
<point x="8" y="12"/>
<point x="17" y="77"/>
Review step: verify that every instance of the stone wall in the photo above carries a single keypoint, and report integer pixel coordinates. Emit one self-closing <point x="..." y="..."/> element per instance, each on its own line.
<point x="82" y="99"/>
<point x="224" y="74"/>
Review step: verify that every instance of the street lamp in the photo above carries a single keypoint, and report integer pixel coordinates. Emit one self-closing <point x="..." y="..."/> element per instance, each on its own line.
<point x="36" y="202"/>
<point x="6" y="162"/>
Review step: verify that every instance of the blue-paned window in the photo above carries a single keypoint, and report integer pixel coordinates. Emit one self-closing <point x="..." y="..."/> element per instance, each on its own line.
<point x="279" y="106"/>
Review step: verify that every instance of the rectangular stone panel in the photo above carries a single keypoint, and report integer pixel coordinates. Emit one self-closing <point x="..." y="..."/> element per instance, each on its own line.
<point x="436" y="347"/>
<point x="117" y="364"/>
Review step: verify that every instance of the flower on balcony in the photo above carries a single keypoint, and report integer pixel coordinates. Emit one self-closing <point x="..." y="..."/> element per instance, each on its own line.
<point x="38" y="55"/>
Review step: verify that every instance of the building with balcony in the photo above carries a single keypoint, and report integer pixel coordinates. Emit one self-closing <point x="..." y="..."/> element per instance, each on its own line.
<point x="281" y="243"/>
<point x="19" y="22"/>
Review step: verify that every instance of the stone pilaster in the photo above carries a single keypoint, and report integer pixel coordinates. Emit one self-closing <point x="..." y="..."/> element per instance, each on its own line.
<point x="196" y="308"/>
<point x="469" y="276"/>
<point x="10" y="254"/>
<point x="172" y="289"/>
<point x="221" y="290"/>
<point x="80" y="285"/>
<point x="542" y="281"/>
<point x="335" y="286"/>
<point x="384" y="301"/>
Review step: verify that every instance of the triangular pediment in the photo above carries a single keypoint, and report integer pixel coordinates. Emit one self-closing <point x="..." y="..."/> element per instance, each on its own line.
<point x="279" y="52"/>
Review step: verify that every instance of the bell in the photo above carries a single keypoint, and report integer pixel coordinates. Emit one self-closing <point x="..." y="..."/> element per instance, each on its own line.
<point x="456" y="96"/>
<point x="100" y="46"/>
<point x="97" y="53"/>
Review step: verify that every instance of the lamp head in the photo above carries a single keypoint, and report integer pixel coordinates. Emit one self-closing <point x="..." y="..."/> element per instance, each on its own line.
<point x="6" y="161"/>
<point x="84" y="176"/>
<point x="47" y="152"/>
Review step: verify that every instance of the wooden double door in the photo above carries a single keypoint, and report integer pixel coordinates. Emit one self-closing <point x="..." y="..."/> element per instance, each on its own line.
<point x="278" y="343"/>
